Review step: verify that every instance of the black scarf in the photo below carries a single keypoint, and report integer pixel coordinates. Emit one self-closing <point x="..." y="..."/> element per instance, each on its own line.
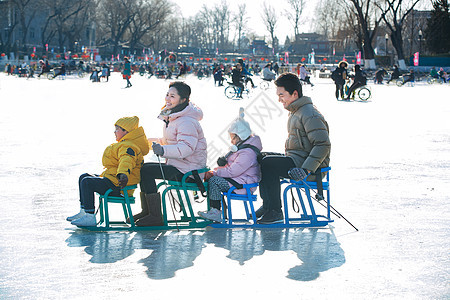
<point x="168" y="112"/>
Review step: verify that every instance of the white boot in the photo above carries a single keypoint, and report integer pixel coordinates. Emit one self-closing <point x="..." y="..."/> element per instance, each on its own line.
<point x="86" y="220"/>
<point x="213" y="214"/>
<point x="77" y="216"/>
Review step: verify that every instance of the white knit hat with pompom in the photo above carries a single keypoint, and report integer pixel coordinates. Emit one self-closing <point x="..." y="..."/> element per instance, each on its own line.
<point x="240" y="126"/>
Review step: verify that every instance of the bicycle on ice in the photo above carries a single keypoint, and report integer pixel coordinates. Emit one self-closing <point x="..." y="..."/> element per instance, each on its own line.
<point x="361" y="93"/>
<point x="234" y="92"/>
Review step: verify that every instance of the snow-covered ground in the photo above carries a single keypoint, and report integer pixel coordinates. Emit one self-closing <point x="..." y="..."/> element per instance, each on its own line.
<point x="390" y="178"/>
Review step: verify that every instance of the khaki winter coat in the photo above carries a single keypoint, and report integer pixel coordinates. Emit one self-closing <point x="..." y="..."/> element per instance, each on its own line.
<point x="308" y="142"/>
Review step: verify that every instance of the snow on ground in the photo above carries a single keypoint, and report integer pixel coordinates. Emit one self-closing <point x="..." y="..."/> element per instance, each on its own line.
<point x="390" y="178"/>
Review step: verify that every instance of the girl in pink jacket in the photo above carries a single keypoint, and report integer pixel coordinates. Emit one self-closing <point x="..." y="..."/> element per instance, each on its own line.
<point x="239" y="166"/>
<point x="183" y="145"/>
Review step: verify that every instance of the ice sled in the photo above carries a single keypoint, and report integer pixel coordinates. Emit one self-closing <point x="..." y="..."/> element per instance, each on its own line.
<point x="182" y="194"/>
<point x="306" y="210"/>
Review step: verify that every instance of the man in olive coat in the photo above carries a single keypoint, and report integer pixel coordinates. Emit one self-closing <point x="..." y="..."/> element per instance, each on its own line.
<point x="307" y="146"/>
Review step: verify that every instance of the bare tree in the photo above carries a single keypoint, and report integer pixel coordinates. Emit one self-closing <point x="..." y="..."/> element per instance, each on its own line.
<point x="295" y="12"/>
<point x="115" y="17"/>
<point x="270" y="19"/>
<point x="207" y="37"/>
<point x="149" y="16"/>
<point x="240" y="20"/>
<point x="221" y="21"/>
<point x="394" y="13"/>
<point x="66" y="20"/>
<point x="330" y="17"/>
<point x="368" y="22"/>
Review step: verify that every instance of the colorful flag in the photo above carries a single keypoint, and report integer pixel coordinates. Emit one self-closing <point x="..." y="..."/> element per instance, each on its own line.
<point x="358" y="58"/>
<point x="416" y="59"/>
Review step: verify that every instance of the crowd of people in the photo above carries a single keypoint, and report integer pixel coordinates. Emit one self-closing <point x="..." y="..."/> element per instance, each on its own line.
<point x="238" y="74"/>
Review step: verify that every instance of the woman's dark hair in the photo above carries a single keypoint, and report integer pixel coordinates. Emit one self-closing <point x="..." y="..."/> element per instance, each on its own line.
<point x="182" y="88"/>
<point x="290" y="82"/>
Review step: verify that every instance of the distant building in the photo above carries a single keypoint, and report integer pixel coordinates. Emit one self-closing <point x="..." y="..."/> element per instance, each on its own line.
<point x="259" y="47"/>
<point x="305" y="42"/>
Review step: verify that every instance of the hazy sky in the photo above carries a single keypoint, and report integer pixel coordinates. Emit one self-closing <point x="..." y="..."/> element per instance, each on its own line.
<point x="254" y="10"/>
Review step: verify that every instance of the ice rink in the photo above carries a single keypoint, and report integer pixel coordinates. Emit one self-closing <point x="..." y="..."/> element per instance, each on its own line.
<point x="390" y="177"/>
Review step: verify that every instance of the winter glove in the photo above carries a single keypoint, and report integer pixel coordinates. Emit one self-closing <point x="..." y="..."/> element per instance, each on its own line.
<point x="221" y="161"/>
<point x="158" y="149"/>
<point x="208" y="175"/>
<point x="298" y="174"/>
<point x="123" y="180"/>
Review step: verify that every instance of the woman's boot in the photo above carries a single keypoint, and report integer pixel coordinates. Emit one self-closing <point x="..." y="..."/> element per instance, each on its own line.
<point x="144" y="207"/>
<point x="154" y="218"/>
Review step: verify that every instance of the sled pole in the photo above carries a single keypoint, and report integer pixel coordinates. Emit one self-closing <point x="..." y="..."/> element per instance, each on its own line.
<point x="319" y="197"/>
<point x="170" y="192"/>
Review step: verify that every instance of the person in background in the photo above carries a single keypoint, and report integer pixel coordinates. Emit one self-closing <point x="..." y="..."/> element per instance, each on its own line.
<point x="359" y="80"/>
<point x="305" y="75"/>
<point x="434" y="73"/>
<point x="61" y="71"/>
<point x="127" y="72"/>
<point x="395" y="74"/>
<point x="236" y="78"/>
<point x="246" y="73"/>
<point x="339" y="76"/>
<point x="268" y="74"/>
<point x="276" y="68"/>
<point x="45" y="68"/>
<point x="105" y="72"/>
<point x="218" y="76"/>
<point x="122" y="162"/>
<point x="443" y="75"/>
<point x="94" y="75"/>
<point x="409" y="77"/>
<point x="379" y="75"/>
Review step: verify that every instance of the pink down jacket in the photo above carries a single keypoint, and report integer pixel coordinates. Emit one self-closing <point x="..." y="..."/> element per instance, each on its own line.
<point x="183" y="140"/>
<point x="242" y="166"/>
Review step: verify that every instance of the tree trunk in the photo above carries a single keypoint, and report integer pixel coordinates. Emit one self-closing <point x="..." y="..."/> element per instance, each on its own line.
<point x="397" y="42"/>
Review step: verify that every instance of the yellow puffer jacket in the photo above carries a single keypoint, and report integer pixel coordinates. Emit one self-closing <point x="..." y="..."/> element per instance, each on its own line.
<point x="127" y="157"/>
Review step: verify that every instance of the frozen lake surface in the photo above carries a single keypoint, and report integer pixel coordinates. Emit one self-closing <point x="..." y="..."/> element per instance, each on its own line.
<point x="390" y="177"/>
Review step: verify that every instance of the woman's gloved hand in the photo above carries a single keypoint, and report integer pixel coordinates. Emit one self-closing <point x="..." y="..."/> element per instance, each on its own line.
<point x="158" y="149"/>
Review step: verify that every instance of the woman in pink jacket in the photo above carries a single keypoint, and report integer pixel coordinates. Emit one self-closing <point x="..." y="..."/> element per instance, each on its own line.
<point x="239" y="166"/>
<point x="183" y="145"/>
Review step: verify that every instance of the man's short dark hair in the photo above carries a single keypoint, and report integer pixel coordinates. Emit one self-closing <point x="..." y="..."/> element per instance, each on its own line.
<point x="290" y="82"/>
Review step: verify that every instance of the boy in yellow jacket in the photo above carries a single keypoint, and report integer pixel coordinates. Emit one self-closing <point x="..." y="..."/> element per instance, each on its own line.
<point x="122" y="162"/>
